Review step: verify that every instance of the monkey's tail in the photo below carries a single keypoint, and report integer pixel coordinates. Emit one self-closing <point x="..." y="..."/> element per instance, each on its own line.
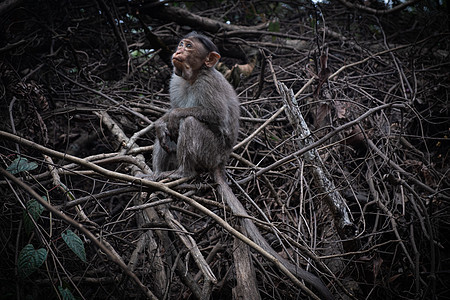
<point x="254" y="234"/>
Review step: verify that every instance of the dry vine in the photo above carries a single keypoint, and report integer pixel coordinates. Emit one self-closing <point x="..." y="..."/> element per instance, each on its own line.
<point x="341" y="163"/>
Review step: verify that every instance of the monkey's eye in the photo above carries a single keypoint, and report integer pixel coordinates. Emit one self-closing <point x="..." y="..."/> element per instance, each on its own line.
<point x="188" y="45"/>
<point x="181" y="44"/>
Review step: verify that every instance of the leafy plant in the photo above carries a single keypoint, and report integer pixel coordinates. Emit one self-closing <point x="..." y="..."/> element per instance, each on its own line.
<point x="33" y="210"/>
<point x="21" y="164"/>
<point x="274" y="26"/>
<point x="30" y="260"/>
<point x="65" y="293"/>
<point x="75" y="244"/>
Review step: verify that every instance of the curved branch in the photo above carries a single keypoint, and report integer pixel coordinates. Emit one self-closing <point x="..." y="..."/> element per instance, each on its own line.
<point x="378" y="11"/>
<point x="164" y="188"/>
<point x="80" y="227"/>
<point x="185" y="17"/>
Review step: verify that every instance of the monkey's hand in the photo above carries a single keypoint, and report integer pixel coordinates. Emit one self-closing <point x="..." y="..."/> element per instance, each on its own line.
<point x="173" y="119"/>
<point x="164" y="136"/>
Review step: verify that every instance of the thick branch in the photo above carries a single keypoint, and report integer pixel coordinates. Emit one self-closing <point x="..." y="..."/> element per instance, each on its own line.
<point x="184" y="17"/>
<point x="378" y="11"/>
<point x="164" y="188"/>
<point x="334" y="199"/>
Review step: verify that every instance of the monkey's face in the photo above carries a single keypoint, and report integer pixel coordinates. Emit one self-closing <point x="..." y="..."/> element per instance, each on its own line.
<point x="189" y="58"/>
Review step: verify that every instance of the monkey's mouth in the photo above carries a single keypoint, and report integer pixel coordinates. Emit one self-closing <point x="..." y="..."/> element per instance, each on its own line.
<point x="177" y="59"/>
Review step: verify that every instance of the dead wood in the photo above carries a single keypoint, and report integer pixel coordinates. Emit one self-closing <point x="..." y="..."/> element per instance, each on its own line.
<point x="246" y="281"/>
<point x="356" y="196"/>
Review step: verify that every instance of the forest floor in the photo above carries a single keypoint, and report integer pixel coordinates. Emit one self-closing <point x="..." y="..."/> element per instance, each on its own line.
<point x="342" y="160"/>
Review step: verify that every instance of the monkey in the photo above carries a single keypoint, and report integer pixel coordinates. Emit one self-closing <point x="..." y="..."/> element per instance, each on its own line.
<point x="199" y="131"/>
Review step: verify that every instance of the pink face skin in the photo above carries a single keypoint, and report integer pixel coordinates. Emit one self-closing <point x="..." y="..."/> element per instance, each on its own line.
<point x="189" y="58"/>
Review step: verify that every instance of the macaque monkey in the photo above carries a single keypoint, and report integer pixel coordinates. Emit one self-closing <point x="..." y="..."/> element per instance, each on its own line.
<point x="198" y="133"/>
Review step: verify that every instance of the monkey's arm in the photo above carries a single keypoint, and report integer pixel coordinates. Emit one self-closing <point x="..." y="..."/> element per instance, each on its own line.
<point x="202" y="114"/>
<point x="167" y="126"/>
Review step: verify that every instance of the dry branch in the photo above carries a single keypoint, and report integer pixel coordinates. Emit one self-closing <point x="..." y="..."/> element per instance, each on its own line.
<point x="247" y="283"/>
<point x="185" y="17"/>
<point x="263" y="247"/>
<point x="62" y="63"/>
<point x="334" y="199"/>
<point x="379" y="11"/>
<point x="284" y="266"/>
<point x="83" y="229"/>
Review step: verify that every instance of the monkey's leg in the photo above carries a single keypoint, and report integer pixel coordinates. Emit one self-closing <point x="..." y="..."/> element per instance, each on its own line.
<point x="198" y="148"/>
<point x="162" y="160"/>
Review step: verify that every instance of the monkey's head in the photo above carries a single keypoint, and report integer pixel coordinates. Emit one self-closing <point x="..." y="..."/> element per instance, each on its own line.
<point x="194" y="52"/>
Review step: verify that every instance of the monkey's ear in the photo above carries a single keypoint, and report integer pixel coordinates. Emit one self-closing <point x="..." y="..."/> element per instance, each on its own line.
<point x="212" y="59"/>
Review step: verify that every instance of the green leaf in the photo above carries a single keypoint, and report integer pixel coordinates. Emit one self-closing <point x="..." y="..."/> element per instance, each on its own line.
<point x="30" y="260"/>
<point x="21" y="164"/>
<point x="34" y="209"/>
<point x="75" y="244"/>
<point x="274" y="26"/>
<point x="65" y="293"/>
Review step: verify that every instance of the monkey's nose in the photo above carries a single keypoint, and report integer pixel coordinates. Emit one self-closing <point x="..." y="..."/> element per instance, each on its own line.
<point x="179" y="50"/>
